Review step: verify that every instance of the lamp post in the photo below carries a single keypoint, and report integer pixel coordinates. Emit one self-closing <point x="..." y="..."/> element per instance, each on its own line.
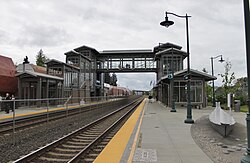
<point x="167" y="23"/>
<point x="172" y="84"/>
<point x="212" y="64"/>
<point x="246" y="159"/>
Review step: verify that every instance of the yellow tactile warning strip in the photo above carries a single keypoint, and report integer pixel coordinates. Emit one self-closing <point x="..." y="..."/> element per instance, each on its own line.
<point x="36" y="112"/>
<point x="133" y="148"/>
<point x="28" y="113"/>
<point x="113" y="152"/>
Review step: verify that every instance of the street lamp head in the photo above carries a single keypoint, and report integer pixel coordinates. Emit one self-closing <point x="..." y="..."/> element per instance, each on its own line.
<point x="221" y="60"/>
<point x="166" y="23"/>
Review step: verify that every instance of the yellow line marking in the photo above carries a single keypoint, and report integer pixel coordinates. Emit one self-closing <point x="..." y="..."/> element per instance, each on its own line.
<point x="50" y="110"/>
<point x="130" y="159"/>
<point x="113" y="152"/>
<point x="42" y="111"/>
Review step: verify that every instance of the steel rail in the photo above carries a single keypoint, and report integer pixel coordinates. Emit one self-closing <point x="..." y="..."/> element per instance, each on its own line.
<point x="54" y="144"/>
<point x="33" y="120"/>
<point x="108" y="130"/>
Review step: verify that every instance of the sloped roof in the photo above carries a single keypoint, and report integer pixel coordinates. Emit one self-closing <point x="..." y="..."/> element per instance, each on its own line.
<point x="171" y="51"/>
<point x="84" y="47"/>
<point x="126" y="51"/>
<point x="167" y="45"/>
<point x="32" y="68"/>
<point x="194" y="73"/>
<point x="7" y="67"/>
<point x="39" y="69"/>
<point x="37" y="74"/>
<point x="55" y="61"/>
<point x="73" y="52"/>
<point x="8" y="81"/>
<point x="60" y="62"/>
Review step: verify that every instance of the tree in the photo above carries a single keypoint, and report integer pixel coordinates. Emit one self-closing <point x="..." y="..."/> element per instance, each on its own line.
<point x="107" y="78"/>
<point x="113" y="80"/>
<point x="41" y="58"/>
<point x="241" y="92"/>
<point x="227" y="80"/>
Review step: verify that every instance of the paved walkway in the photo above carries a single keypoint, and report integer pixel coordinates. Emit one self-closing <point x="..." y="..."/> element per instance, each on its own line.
<point x="165" y="138"/>
<point x="158" y="135"/>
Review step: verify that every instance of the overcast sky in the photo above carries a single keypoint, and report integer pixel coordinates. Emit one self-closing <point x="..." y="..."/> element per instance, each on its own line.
<point x="57" y="26"/>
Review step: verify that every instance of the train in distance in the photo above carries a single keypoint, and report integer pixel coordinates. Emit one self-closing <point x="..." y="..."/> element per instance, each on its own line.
<point x="117" y="90"/>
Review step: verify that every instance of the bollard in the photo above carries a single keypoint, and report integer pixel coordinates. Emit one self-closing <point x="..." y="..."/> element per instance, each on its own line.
<point x="173" y="106"/>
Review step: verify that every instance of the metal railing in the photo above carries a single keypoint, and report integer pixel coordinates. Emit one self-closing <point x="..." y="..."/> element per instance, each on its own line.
<point x="15" y="108"/>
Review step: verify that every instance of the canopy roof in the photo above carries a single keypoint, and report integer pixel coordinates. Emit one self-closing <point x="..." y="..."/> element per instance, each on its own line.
<point x="37" y="74"/>
<point x="193" y="73"/>
<point x="171" y="51"/>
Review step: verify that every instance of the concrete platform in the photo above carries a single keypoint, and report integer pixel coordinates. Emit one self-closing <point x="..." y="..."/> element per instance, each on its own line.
<point x="165" y="134"/>
<point x="31" y="111"/>
<point x="152" y="134"/>
<point x="158" y="136"/>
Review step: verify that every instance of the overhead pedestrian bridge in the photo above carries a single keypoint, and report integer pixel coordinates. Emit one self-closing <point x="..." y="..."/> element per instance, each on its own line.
<point x="127" y="61"/>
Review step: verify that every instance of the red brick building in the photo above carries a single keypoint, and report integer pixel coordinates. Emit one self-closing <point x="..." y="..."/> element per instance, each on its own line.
<point x="8" y="81"/>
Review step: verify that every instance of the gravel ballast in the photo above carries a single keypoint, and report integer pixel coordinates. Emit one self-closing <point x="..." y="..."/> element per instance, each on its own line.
<point x="13" y="146"/>
<point x="220" y="149"/>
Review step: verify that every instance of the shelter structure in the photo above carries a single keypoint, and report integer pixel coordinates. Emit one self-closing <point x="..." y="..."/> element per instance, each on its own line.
<point x="172" y="78"/>
<point x="35" y="83"/>
<point x="83" y="74"/>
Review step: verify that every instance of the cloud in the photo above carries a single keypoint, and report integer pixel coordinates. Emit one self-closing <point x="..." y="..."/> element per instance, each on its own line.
<point x="136" y="81"/>
<point x="41" y="35"/>
<point x="3" y="36"/>
<point x="216" y="27"/>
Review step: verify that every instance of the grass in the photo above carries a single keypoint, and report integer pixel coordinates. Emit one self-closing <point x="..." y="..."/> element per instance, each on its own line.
<point x="244" y="108"/>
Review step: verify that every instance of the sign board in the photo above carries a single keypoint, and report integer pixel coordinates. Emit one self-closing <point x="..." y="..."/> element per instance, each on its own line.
<point x="170" y="76"/>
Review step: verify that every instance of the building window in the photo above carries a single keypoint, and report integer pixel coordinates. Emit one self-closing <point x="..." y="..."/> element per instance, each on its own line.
<point x="180" y="91"/>
<point x="86" y="53"/>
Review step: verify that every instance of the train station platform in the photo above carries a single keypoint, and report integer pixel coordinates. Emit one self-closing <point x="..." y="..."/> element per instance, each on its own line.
<point x="22" y="112"/>
<point x="154" y="134"/>
<point x="32" y="111"/>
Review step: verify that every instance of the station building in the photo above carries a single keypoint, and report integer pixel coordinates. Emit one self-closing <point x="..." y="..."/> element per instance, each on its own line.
<point x="76" y="77"/>
<point x="82" y="74"/>
<point x="171" y="84"/>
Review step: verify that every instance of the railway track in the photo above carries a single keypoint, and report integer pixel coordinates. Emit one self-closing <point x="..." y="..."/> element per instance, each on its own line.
<point x="33" y="120"/>
<point x="84" y="144"/>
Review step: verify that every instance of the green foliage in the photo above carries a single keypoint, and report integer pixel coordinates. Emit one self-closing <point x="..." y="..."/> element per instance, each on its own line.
<point x="227" y="87"/>
<point x="222" y="98"/>
<point x="113" y="80"/>
<point x="239" y="89"/>
<point x="244" y="108"/>
<point x="243" y="99"/>
<point x="227" y="79"/>
<point x="209" y="90"/>
<point x="107" y="78"/>
<point x="41" y="58"/>
<point x="241" y="92"/>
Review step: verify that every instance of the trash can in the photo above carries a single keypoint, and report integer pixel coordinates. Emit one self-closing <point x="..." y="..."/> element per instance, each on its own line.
<point x="237" y="105"/>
